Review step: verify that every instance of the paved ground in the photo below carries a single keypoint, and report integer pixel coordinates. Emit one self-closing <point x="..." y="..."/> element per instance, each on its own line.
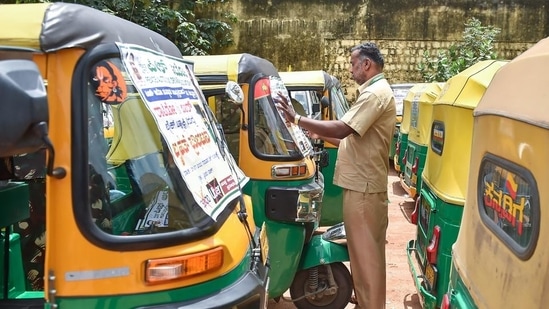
<point x="401" y="293"/>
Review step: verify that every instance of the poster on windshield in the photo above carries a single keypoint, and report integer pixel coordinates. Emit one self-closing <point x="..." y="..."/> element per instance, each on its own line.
<point x="170" y="92"/>
<point x="299" y="137"/>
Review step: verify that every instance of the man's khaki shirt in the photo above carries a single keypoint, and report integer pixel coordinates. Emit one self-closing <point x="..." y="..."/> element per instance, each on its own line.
<point x="363" y="157"/>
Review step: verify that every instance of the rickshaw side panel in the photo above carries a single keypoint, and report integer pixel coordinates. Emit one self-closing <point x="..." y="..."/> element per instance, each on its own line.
<point x="487" y="267"/>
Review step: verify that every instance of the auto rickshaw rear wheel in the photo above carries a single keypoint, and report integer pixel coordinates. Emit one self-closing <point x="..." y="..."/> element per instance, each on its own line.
<point x="322" y="297"/>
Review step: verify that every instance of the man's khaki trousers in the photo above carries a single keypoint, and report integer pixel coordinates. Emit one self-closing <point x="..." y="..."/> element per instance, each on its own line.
<point x="366" y="220"/>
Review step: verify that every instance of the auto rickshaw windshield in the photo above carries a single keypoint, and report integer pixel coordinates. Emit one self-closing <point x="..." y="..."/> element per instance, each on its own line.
<point x="144" y="178"/>
<point x="272" y="134"/>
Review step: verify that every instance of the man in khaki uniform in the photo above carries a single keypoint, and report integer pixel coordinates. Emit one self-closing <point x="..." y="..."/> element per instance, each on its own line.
<point x="363" y="135"/>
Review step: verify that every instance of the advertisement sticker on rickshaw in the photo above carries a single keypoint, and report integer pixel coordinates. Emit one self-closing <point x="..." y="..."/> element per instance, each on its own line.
<point x="415" y="110"/>
<point x="437" y="137"/>
<point x="506" y="201"/>
<point x="169" y="94"/>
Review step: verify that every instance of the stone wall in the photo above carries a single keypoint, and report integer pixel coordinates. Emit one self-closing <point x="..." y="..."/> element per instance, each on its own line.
<point x="317" y="34"/>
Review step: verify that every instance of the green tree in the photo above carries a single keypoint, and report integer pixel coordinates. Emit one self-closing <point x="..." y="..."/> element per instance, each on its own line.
<point x="177" y="20"/>
<point x="477" y="45"/>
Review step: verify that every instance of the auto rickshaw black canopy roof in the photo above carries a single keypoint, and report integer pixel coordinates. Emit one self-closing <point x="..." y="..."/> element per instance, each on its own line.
<point x="50" y="27"/>
<point x="241" y="68"/>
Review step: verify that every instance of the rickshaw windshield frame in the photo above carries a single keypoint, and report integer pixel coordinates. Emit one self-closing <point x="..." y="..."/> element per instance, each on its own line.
<point x="278" y="131"/>
<point x="81" y="180"/>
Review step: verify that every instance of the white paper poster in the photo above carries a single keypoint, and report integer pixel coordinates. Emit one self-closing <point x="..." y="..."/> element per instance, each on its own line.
<point x="170" y="92"/>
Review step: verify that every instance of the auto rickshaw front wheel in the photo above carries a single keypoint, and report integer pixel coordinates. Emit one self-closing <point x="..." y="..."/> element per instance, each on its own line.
<point x="311" y="288"/>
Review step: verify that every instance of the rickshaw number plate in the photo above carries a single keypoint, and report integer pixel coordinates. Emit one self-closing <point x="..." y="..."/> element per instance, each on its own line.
<point x="431" y="276"/>
<point x="414" y="179"/>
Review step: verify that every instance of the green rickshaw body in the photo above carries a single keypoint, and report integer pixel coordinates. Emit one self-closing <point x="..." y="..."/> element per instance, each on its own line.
<point x="499" y="259"/>
<point x="419" y="101"/>
<point x="400" y="91"/>
<point x="319" y="84"/>
<point x="440" y="203"/>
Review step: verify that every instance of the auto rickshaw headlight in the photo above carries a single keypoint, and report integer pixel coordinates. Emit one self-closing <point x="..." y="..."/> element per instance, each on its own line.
<point x="289" y="170"/>
<point x="167" y="269"/>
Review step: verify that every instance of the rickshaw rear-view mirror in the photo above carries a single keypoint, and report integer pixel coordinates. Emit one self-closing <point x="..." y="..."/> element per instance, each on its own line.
<point x="235" y="92"/>
<point x="325" y="101"/>
<point x="23" y="108"/>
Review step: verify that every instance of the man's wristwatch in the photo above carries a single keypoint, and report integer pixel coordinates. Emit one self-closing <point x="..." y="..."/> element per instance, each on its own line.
<point x="296" y="119"/>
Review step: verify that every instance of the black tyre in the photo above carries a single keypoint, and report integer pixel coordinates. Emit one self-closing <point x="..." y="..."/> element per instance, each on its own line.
<point x="342" y="277"/>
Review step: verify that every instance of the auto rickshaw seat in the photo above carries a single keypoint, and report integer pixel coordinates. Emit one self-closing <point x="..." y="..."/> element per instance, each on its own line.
<point x="23" y="221"/>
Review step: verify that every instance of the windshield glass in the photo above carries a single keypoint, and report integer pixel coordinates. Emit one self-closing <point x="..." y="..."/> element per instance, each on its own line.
<point x="156" y="160"/>
<point x="273" y="135"/>
<point x="341" y="106"/>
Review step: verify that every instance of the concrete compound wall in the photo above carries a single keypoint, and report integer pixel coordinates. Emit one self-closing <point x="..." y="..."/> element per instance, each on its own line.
<point x="317" y="34"/>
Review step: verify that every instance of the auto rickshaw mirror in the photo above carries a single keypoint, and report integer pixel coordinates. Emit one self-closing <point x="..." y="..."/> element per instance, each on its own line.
<point x="325" y="101"/>
<point x="235" y="92"/>
<point x="24" y="112"/>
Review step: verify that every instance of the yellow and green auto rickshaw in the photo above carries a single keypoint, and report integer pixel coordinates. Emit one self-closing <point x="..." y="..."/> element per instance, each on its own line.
<point x="318" y="88"/>
<point x="400" y="91"/>
<point x="440" y="204"/>
<point x="150" y="216"/>
<point x="499" y="259"/>
<point x="415" y="142"/>
<point x="285" y="183"/>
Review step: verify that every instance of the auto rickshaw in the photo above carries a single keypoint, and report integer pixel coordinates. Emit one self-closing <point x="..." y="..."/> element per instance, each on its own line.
<point x="285" y="183"/>
<point x="332" y="105"/>
<point x="149" y="216"/>
<point x="419" y="102"/>
<point x="499" y="259"/>
<point x="400" y="91"/>
<point x="444" y="179"/>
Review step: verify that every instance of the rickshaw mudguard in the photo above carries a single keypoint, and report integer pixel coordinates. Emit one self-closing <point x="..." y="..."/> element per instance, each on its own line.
<point x="321" y="252"/>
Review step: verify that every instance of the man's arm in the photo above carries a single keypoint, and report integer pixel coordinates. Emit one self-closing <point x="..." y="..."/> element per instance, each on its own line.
<point x="326" y="128"/>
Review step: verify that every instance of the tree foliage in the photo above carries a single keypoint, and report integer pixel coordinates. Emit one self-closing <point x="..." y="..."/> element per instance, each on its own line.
<point x="477" y="45"/>
<point x="177" y="20"/>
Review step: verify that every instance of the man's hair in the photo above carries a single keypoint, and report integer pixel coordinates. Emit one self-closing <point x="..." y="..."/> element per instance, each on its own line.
<point x="369" y="50"/>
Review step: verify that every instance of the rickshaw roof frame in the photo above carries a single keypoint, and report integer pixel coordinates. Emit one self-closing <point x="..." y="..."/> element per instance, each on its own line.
<point x="219" y="69"/>
<point x="50" y="27"/>
<point x="518" y="89"/>
<point x="308" y="79"/>
<point x="478" y="75"/>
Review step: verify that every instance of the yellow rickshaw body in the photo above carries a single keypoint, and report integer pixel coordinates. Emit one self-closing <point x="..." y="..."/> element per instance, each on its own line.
<point x="414" y="140"/>
<point x="77" y="268"/>
<point x="422" y="97"/>
<point x="446" y="172"/>
<point x="444" y="179"/>
<point x="499" y="259"/>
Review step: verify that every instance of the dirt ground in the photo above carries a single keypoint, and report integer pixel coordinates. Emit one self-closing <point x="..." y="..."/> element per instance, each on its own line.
<point x="401" y="293"/>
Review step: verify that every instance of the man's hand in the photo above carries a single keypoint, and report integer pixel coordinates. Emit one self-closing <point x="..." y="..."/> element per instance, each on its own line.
<point x="283" y="104"/>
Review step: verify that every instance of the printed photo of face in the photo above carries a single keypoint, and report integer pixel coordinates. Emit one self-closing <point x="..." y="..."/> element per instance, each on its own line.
<point x="108" y="83"/>
<point x="133" y="66"/>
